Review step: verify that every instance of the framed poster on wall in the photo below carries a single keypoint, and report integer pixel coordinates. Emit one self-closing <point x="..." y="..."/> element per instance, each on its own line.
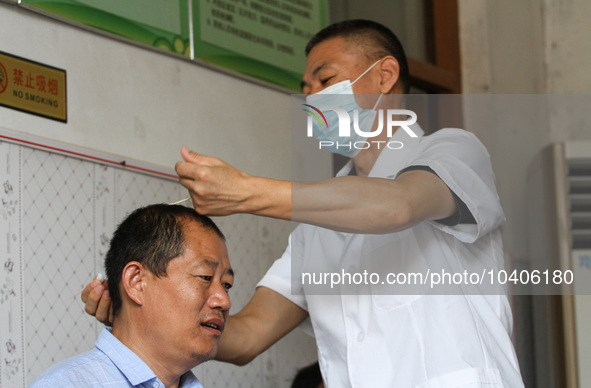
<point x="163" y="24"/>
<point x="264" y="39"/>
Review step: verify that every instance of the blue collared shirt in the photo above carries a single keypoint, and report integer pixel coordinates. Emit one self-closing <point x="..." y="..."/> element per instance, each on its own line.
<point x="110" y="364"/>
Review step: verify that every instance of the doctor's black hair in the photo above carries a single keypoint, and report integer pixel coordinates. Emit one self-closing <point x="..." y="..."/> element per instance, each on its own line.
<point x="153" y="236"/>
<point x="376" y="40"/>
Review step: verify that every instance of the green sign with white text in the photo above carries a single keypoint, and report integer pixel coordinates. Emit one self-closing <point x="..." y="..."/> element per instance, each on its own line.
<point x="261" y="38"/>
<point x="160" y="23"/>
<point x="264" y="39"/>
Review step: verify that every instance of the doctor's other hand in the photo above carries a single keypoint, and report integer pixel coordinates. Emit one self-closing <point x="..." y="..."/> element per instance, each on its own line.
<point x="98" y="301"/>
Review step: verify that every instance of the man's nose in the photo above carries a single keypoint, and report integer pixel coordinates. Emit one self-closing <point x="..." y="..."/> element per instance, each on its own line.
<point x="219" y="298"/>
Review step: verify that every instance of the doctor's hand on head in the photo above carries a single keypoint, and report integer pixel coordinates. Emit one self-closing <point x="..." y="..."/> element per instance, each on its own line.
<point x="219" y="189"/>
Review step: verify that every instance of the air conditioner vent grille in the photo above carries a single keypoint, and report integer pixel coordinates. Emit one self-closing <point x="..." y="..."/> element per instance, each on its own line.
<point x="579" y="181"/>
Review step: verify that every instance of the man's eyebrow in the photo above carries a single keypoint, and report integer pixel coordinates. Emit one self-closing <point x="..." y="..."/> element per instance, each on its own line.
<point x="210" y="263"/>
<point x="314" y="73"/>
<point x="214" y="264"/>
<point x="320" y="67"/>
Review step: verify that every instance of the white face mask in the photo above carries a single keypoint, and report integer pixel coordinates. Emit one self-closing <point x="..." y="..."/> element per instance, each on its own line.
<point x="341" y="95"/>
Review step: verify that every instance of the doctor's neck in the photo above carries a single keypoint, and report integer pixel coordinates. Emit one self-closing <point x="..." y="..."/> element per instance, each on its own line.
<point x="366" y="158"/>
<point x="364" y="161"/>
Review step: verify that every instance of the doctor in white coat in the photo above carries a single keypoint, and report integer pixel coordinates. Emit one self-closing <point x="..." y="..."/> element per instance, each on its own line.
<point x="429" y="205"/>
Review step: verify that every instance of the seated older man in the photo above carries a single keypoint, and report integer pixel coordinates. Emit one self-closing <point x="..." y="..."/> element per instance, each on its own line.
<point x="169" y="277"/>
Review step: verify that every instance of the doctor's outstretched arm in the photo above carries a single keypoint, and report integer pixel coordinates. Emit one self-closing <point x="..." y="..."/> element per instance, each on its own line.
<point x="265" y="319"/>
<point x="348" y="204"/>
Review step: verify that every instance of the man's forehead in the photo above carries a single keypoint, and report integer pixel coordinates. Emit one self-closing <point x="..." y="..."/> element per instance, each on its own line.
<point x="332" y="53"/>
<point x="338" y="45"/>
<point x="207" y="247"/>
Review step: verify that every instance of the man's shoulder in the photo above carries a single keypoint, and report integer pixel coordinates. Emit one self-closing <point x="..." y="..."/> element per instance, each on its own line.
<point x="86" y="369"/>
<point x="453" y="144"/>
<point x="451" y="135"/>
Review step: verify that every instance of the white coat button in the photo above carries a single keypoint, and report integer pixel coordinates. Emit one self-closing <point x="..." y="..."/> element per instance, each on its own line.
<point x="360" y="336"/>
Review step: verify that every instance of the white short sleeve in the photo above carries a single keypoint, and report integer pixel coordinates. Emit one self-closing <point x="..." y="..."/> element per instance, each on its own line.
<point x="463" y="163"/>
<point x="278" y="277"/>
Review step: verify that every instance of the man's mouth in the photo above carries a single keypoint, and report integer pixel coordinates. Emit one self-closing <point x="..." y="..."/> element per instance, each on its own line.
<point x="214" y="324"/>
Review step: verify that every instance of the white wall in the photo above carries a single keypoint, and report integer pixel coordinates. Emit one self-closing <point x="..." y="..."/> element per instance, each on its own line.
<point x="141" y="104"/>
<point x="525" y="47"/>
<point x="529" y="47"/>
<point x="131" y="101"/>
<point x="567" y="50"/>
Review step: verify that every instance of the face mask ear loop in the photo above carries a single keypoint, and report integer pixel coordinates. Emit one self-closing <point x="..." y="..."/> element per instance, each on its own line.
<point x="365" y="72"/>
<point x="378" y="101"/>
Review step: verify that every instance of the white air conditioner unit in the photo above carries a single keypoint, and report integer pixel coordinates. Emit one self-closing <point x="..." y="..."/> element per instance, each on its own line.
<point x="559" y="238"/>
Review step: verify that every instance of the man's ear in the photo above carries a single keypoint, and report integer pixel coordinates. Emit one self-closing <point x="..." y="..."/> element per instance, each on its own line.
<point x="389" y="73"/>
<point x="132" y="281"/>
